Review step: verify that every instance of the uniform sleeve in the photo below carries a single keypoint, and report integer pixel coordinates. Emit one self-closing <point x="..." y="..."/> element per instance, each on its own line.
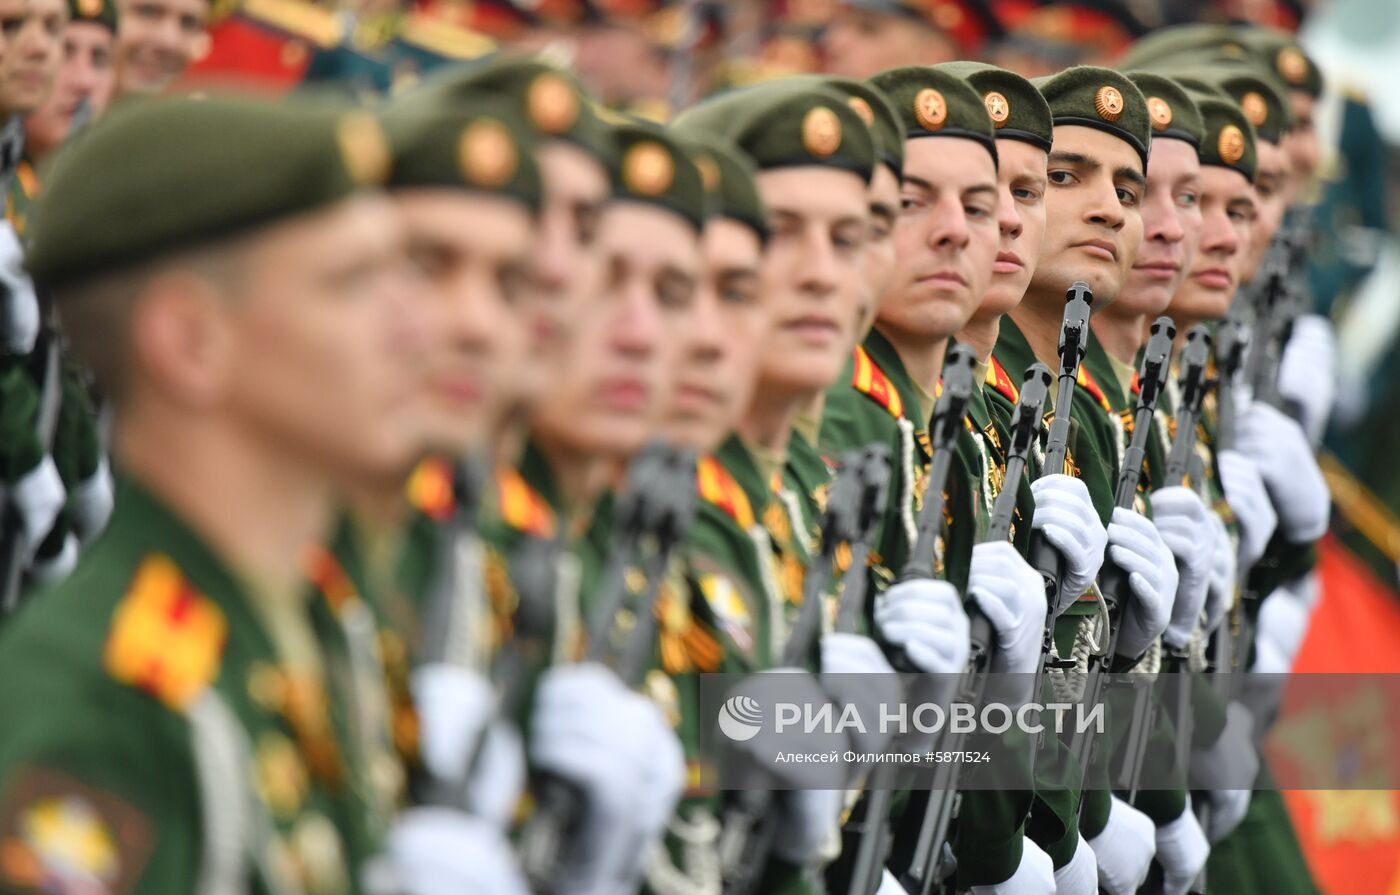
<point x="97" y="794"/>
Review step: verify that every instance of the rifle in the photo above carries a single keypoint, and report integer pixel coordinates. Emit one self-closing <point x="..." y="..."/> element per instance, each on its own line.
<point x="1183" y="460"/>
<point x="653" y="515"/>
<point x="1269" y="295"/>
<point x="1074" y="340"/>
<point x="1114" y="585"/>
<point x="854" y="507"/>
<point x="1152" y="379"/>
<point x="14" y="546"/>
<point x="928" y="866"/>
<point x="948" y="420"/>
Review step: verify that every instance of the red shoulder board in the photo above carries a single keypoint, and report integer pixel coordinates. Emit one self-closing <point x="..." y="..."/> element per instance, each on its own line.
<point x="166" y="637"/>
<point x="868" y="379"/>
<point x="430" y="488"/>
<point x="718" y="487"/>
<point x="521" y="506"/>
<point x="329" y="576"/>
<point x="1092" y="387"/>
<point x="1001" y="382"/>
<point x="1135" y="387"/>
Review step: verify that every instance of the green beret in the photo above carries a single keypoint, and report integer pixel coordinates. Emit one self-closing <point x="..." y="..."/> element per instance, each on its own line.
<point x="550" y="100"/>
<point x="781" y="124"/>
<point x="874" y="108"/>
<point x="209" y="168"/>
<point x="1170" y="107"/>
<point x="1100" y="98"/>
<point x="933" y="103"/>
<point x="1284" y="57"/>
<point x="728" y="177"/>
<point x="1017" y="109"/>
<point x="655" y="169"/>
<point x="1167" y="45"/>
<point x="486" y="148"/>
<point x="1229" y="137"/>
<point x="1263" y="99"/>
<point x="99" y="12"/>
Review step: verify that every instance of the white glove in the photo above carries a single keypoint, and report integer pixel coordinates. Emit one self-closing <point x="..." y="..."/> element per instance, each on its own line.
<point x="92" y="502"/>
<point x="889" y="885"/>
<point x="1035" y="875"/>
<point x="1081" y="875"/>
<point x="1307" y="372"/>
<point x="1283" y="623"/>
<point x="38" y="496"/>
<point x="1136" y="547"/>
<point x="1183" y="521"/>
<point x="1285" y="460"/>
<point x="614" y="745"/>
<point x="1012" y="596"/>
<point x="438" y="851"/>
<point x="50" y="570"/>
<point x="20" y="318"/>
<point x="1231" y="762"/>
<point x="1124" y="849"/>
<point x="1223" y="576"/>
<point x="456" y="708"/>
<point x="1249" y="500"/>
<point x="809" y="824"/>
<point x="855" y="672"/>
<point x="1227" y="808"/>
<point x="1182" y="851"/>
<point x="926" y="619"/>
<point x="1065" y="515"/>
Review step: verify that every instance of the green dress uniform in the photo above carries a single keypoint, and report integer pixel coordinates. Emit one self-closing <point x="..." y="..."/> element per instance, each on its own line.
<point x="185" y="729"/>
<point x="173" y="713"/>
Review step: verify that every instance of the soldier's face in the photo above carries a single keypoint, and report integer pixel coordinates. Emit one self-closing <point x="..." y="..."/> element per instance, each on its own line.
<point x="1093" y="221"/>
<point x="33" y="56"/>
<point x="86" y="75"/>
<point x="945" y="240"/>
<point x="721" y="340"/>
<point x="567" y="261"/>
<point x="473" y="253"/>
<point x="879" y="250"/>
<point x="622" y="355"/>
<point x="859" y="43"/>
<point x="1021" y="223"/>
<point x="1271" y="194"/>
<point x="1227" y="216"/>
<point x="319" y="355"/>
<point x="1171" y="225"/>
<point x="1302" y="146"/>
<point x="813" y="275"/>
<point x="157" y="40"/>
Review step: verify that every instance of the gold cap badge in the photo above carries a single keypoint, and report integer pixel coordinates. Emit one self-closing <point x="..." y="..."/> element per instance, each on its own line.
<point x="1108" y="102"/>
<point x="998" y="109"/>
<point x="551" y="104"/>
<point x="1160" y="111"/>
<point x="821" y="132"/>
<point x="1293" y="65"/>
<point x="90" y="8"/>
<point x="1231" y="144"/>
<point x="487" y="154"/>
<point x="862" y="108"/>
<point x="1255" y="109"/>
<point x="647" y="169"/>
<point x="930" y="109"/>
<point x="363" y="149"/>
